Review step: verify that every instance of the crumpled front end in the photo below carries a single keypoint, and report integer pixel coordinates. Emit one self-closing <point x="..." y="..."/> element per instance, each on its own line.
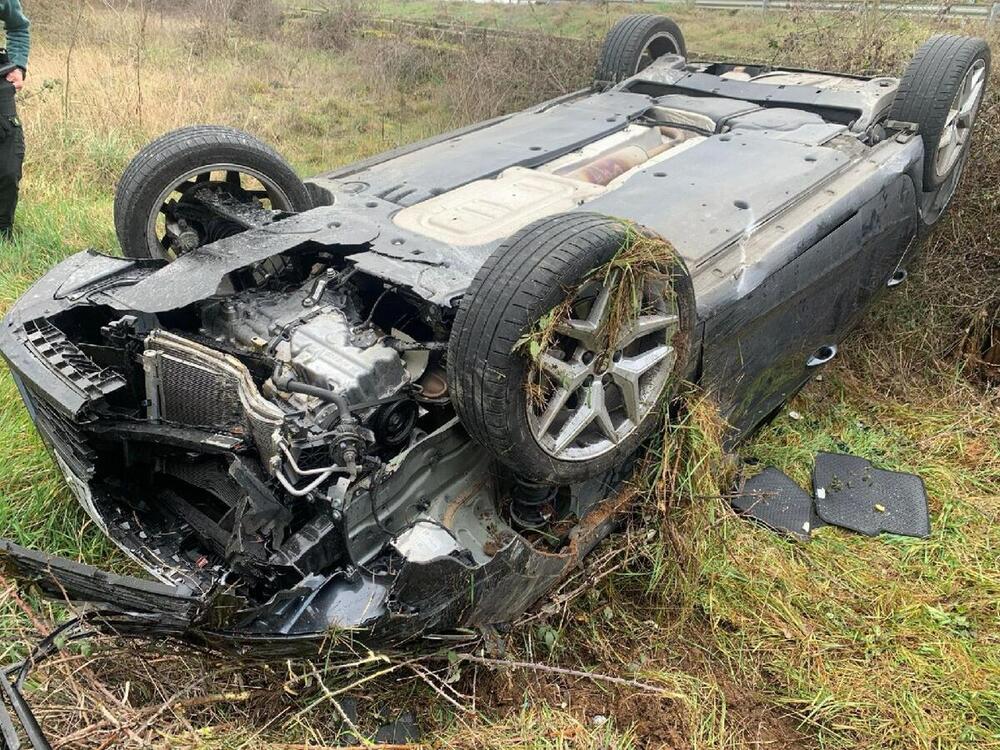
<point x="268" y="515"/>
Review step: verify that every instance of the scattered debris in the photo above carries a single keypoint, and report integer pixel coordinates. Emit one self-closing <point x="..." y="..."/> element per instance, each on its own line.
<point x="853" y="494"/>
<point x="847" y="491"/>
<point x="774" y="500"/>
<point x="402" y="730"/>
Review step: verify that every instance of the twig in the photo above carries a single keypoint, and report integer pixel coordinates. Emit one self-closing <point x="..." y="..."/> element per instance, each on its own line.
<point x="509" y="664"/>
<point x="140" y="52"/>
<point x="150" y="713"/>
<point x="332" y="694"/>
<point x="69" y="57"/>
<point x="428" y="678"/>
<point x="43" y="628"/>
<point x="340" y="710"/>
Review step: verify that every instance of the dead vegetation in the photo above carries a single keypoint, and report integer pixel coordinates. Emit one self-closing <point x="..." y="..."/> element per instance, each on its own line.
<point x="478" y="74"/>
<point x="339" y="26"/>
<point x="981" y="346"/>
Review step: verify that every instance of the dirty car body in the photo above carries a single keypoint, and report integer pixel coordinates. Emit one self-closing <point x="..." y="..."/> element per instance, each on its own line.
<point x="270" y="516"/>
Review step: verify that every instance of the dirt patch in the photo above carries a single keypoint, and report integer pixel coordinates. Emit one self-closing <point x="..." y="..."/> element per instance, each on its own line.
<point x="742" y="715"/>
<point x="656" y="722"/>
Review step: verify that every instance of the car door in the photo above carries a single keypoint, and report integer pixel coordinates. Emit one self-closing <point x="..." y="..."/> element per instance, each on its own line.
<point x="761" y="348"/>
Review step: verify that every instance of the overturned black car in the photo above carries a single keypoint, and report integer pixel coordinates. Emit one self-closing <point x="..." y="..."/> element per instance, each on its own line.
<point x="305" y="406"/>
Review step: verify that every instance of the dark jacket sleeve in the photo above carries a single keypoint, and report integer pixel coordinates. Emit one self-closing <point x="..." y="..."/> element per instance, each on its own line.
<point x="18" y="37"/>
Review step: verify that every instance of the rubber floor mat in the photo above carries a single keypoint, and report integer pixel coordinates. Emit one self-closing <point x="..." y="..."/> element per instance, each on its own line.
<point x="852" y="493"/>
<point x="774" y="500"/>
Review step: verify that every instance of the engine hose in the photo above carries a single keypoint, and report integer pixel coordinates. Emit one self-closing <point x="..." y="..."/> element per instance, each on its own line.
<point x="532" y="504"/>
<point x="323" y="394"/>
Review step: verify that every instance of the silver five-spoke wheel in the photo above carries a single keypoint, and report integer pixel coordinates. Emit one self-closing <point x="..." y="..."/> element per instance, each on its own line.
<point x="600" y="378"/>
<point x="569" y="344"/>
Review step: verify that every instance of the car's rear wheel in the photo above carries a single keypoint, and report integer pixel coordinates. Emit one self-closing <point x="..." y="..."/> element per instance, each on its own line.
<point x="634" y="43"/>
<point x="941" y="92"/>
<point x="569" y="402"/>
<point x="199" y="184"/>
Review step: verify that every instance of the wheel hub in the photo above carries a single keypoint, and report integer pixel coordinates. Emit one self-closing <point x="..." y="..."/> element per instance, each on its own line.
<point x="196" y="209"/>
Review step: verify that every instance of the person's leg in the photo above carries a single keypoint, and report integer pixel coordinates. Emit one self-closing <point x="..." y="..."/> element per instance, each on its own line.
<point x="11" y="159"/>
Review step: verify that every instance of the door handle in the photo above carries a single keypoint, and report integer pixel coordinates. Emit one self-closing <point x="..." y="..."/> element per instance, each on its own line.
<point x="822" y="355"/>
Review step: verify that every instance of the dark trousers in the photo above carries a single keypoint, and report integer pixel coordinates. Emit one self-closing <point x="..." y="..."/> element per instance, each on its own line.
<point x="11" y="156"/>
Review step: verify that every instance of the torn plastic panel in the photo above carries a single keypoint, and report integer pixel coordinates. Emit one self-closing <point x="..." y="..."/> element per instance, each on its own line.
<point x="443" y="567"/>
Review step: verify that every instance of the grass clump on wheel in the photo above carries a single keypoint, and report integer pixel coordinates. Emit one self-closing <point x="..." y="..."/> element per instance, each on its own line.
<point x="570" y="337"/>
<point x="642" y="258"/>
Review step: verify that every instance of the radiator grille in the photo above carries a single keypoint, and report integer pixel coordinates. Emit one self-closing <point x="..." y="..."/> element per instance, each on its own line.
<point x="64" y="435"/>
<point x="199" y="396"/>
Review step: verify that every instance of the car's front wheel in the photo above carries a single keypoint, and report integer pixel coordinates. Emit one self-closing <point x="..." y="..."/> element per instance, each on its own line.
<point x="567" y="343"/>
<point x="199" y="184"/>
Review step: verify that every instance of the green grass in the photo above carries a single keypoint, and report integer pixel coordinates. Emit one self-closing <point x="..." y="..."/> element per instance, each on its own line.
<point x="761" y="35"/>
<point x="845" y="642"/>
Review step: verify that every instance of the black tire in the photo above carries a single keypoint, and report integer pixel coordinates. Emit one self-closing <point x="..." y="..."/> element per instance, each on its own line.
<point x="623" y="46"/>
<point x="522" y="280"/>
<point x="928" y="88"/>
<point x="161" y="163"/>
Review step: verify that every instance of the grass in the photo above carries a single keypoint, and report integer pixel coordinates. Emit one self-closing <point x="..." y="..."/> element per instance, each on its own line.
<point x="750" y="641"/>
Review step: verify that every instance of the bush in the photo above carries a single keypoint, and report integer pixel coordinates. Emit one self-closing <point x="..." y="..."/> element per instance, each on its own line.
<point x="339" y="26"/>
<point x="477" y="75"/>
<point x="213" y="16"/>
<point x="497" y="74"/>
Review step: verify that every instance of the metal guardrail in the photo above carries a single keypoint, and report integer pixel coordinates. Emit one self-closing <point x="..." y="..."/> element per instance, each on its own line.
<point x="952" y="10"/>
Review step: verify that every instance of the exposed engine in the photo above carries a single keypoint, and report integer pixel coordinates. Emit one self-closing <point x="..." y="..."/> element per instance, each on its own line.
<point x="255" y="415"/>
<point x="332" y="372"/>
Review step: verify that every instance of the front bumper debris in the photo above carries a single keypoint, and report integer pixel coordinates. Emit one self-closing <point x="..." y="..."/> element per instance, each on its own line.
<point x="116" y="604"/>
